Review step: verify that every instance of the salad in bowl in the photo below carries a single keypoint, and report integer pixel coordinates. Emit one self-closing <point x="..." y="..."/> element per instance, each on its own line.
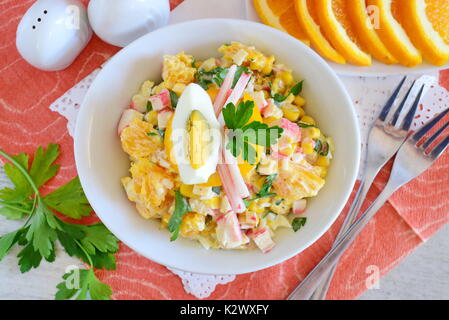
<point x="222" y="150"/>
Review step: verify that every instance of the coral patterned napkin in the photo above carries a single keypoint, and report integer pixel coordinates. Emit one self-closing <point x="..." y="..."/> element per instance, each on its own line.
<point x="410" y="217"/>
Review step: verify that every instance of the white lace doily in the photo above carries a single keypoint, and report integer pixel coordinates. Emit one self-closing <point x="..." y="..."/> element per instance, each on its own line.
<point x="201" y="285"/>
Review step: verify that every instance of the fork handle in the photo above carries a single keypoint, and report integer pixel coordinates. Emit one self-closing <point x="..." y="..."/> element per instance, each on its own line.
<point x="306" y="288"/>
<point x="370" y="173"/>
<point x="321" y="291"/>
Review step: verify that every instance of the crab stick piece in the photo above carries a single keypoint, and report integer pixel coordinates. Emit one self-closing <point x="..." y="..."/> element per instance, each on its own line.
<point x="228" y="231"/>
<point x="262" y="238"/>
<point x="224" y="90"/>
<point x="161" y="101"/>
<point x="127" y="117"/>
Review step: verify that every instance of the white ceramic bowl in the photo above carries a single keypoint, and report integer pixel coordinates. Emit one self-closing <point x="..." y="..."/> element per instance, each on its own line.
<point x="101" y="162"/>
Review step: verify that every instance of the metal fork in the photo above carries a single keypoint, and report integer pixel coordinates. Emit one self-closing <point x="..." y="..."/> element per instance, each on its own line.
<point x="411" y="161"/>
<point x="383" y="143"/>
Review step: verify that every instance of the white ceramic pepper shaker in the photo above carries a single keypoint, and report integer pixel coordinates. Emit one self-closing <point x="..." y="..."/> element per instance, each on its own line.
<point x="52" y="33"/>
<point x="120" y="22"/>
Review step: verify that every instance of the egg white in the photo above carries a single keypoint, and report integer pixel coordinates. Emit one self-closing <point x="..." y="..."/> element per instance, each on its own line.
<point x="194" y="98"/>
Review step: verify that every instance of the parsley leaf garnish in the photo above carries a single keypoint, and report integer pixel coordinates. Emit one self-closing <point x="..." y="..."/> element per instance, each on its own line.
<point x="217" y="75"/>
<point x="243" y="135"/>
<point x="298" y="223"/>
<point x="173" y="99"/>
<point x="264" y="191"/>
<point x="322" y="148"/>
<point x="266" y="187"/>
<point x="94" y="244"/>
<point x="149" y="106"/>
<point x="216" y="190"/>
<point x="295" y="90"/>
<point x="161" y="133"/>
<point x="305" y="125"/>
<point x="181" y="208"/>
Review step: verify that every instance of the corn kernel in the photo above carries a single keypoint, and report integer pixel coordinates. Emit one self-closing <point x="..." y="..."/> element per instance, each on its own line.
<point x="287" y="77"/>
<point x="257" y="64"/>
<point x="179" y="88"/>
<point x="187" y="191"/>
<point x="213" y="203"/>
<point x="299" y="101"/>
<point x="259" y="205"/>
<point x="308" y="120"/>
<point x="151" y="117"/>
<point x="145" y="90"/>
<point x="290" y="98"/>
<point x="323" y="161"/>
<point x="268" y="65"/>
<point x="302" y="113"/>
<point x="307" y="146"/>
<point x="208" y="65"/>
<point x="313" y="133"/>
<point x="277" y="85"/>
<point x="291" y="112"/>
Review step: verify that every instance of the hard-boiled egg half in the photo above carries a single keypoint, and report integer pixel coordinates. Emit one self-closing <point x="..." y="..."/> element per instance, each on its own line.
<point x="196" y="136"/>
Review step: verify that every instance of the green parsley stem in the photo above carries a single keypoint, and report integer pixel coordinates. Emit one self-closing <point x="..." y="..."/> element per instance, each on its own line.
<point x="85" y="252"/>
<point x="7" y="205"/>
<point x="24" y="172"/>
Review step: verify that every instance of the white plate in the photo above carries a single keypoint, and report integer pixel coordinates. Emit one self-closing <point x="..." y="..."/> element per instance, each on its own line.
<point x="101" y="161"/>
<point x="379" y="69"/>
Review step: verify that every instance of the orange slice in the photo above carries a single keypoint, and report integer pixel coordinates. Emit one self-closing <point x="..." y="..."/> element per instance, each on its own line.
<point x="308" y="20"/>
<point x="438" y="14"/>
<point x="393" y="35"/>
<point x="337" y="28"/>
<point x="367" y="36"/>
<point x="415" y="21"/>
<point x="280" y="14"/>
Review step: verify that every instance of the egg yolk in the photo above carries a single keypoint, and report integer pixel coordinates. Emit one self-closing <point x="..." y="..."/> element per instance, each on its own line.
<point x="199" y="139"/>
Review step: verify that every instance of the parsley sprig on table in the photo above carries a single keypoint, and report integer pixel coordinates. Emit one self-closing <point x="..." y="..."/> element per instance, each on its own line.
<point x="243" y="135"/>
<point x="94" y="244"/>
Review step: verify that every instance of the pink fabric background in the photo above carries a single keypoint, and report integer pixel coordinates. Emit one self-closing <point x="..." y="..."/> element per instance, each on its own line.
<point x="413" y="215"/>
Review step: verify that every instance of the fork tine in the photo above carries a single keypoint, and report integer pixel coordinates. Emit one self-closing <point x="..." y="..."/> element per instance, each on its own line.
<point x="440" y="148"/>
<point x="418" y="135"/>
<point x="401" y="106"/>
<point x="384" y="113"/>
<point x="408" y="120"/>
<point x="435" y="136"/>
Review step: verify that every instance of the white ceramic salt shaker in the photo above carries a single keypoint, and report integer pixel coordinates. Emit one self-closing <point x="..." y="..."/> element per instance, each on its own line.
<point x="52" y="33"/>
<point x="120" y="22"/>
